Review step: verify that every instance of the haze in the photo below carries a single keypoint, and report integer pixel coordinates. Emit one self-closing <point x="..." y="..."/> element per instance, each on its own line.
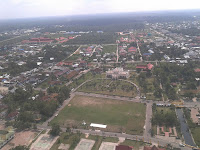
<point x="39" y="8"/>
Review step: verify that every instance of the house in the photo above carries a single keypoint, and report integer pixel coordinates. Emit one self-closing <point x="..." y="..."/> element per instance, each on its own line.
<point x="197" y="70"/>
<point x="83" y="64"/>
<point x="147" y="67"/>
<point x="72" y="74"/>
<point x="123" y="147"/>
<point x="153" y="148"/>
<point x="12" y="115"/>
<point x="117" y="73"/>
<point x="132" y="50"/>
<point x="52" y="97"/>
<point x="96" y="70"/>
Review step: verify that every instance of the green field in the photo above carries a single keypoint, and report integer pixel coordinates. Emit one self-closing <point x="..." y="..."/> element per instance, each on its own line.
<point x="85" y="77"/>
<point x="109" y="87"/>
<point x="135" y="144"/>
<point x="109" y="49"/>
<point x="67" y="138"/>
<point x="196" y="135"/>
<point x="119" y="116"/>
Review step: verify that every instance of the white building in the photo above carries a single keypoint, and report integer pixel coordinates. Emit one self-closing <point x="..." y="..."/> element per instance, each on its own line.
<point x="117" y="73"/>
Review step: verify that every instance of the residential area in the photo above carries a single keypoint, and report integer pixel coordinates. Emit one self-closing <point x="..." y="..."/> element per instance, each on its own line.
<point x="130" y="89"/>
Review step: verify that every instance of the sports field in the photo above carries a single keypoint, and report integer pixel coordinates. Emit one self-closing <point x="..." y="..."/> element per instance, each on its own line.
<point x="85" y="144"/>
<point x="108" y="146"/>
<point x="119" y="116"/>
<point x="44" y="142"/>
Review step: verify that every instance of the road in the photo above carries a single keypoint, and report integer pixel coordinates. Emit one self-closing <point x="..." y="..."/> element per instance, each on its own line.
<point x="147" y="131"/>
<point x="117" y="53"/>
<point x="184" y="128"/>
<point x="139" y="52"/>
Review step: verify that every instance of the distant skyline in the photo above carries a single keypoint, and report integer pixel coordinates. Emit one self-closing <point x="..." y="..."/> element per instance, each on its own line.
<point x="11" y="9"/>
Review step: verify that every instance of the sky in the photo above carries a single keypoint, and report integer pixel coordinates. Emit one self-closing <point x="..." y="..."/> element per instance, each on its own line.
<point x="39" y="8"/>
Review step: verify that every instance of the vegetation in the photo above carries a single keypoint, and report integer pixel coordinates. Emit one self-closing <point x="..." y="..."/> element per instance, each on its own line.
<point x="55" y="131"/>
<point x="164" y="116"/>
<point x="31" y="110"/>
<point x="94" y="38"/>
<point x="166" y="74"/>
<point x="109" y="49"/>
<point x="67" y="138"/>
<point x="20" y="148"/>
<point x="135" y="144"/>
<point x="109" y="87"/>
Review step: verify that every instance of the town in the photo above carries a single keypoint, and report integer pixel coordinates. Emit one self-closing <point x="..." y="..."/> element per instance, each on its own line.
<point x="133" y="88"/>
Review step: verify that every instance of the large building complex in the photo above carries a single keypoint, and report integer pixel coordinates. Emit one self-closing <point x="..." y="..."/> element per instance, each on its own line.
<point x="117" y="73"/>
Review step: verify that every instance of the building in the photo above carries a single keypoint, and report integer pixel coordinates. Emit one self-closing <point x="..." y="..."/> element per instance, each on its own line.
<point x="123" y="147"/>
<point x="117" y="73"/>
<point x="153" y="148"/>
<point x="147" y="67"/>
<point x="39" y="40"/>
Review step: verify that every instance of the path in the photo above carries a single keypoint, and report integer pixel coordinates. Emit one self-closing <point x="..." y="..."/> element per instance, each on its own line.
<point x="73" y="53"/>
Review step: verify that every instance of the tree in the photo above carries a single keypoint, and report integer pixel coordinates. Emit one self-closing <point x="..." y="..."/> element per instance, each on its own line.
<point x="20" y="148"/>
<point x="55" y="131"/>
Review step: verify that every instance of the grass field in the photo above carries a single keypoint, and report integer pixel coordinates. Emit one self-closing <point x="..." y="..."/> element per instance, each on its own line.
<point x="196" y="135"/>
<point x="83" y="78"/>
<point x="67" y="138"/>
<point x="109" y="49"/>
<point x="119" y="116"/>
<point x="109" y="87"/>
<point x="135" y="144"/>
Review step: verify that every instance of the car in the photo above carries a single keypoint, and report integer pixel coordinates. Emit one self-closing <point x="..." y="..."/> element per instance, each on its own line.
<point x="181" y="145"/>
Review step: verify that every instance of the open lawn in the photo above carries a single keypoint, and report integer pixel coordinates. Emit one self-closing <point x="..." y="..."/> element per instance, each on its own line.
<point x="109" y="49"/>
<point x="119" y="116"/>
<point x="109" y="87"/>
<point x="67" y="138"/>
<point x="196" y="135"/>
<point x="135" y="144"/>
<point x="84" y="78"/>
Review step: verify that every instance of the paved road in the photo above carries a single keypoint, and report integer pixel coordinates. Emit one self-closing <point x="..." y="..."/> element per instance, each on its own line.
<point x="139" y="52"/>
<point x="147" y="131"/>
<point x="184" y="128"/>
<point x="127" y="136"/>
<point x="117" y="53"/>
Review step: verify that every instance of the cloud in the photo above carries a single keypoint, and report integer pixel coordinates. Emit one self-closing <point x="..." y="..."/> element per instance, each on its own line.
<point x="36" y="8"/>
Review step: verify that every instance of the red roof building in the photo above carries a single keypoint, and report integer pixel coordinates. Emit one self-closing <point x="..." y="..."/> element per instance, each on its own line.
<point x="132" y="49"/>
<point x="72" y="74"/>
<point x="38" y="40"/>
<point x="197" y="70"/>
<point x="123" y="147"/>
<point x="149" y="66"/>
<point x="153" y="148"/>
